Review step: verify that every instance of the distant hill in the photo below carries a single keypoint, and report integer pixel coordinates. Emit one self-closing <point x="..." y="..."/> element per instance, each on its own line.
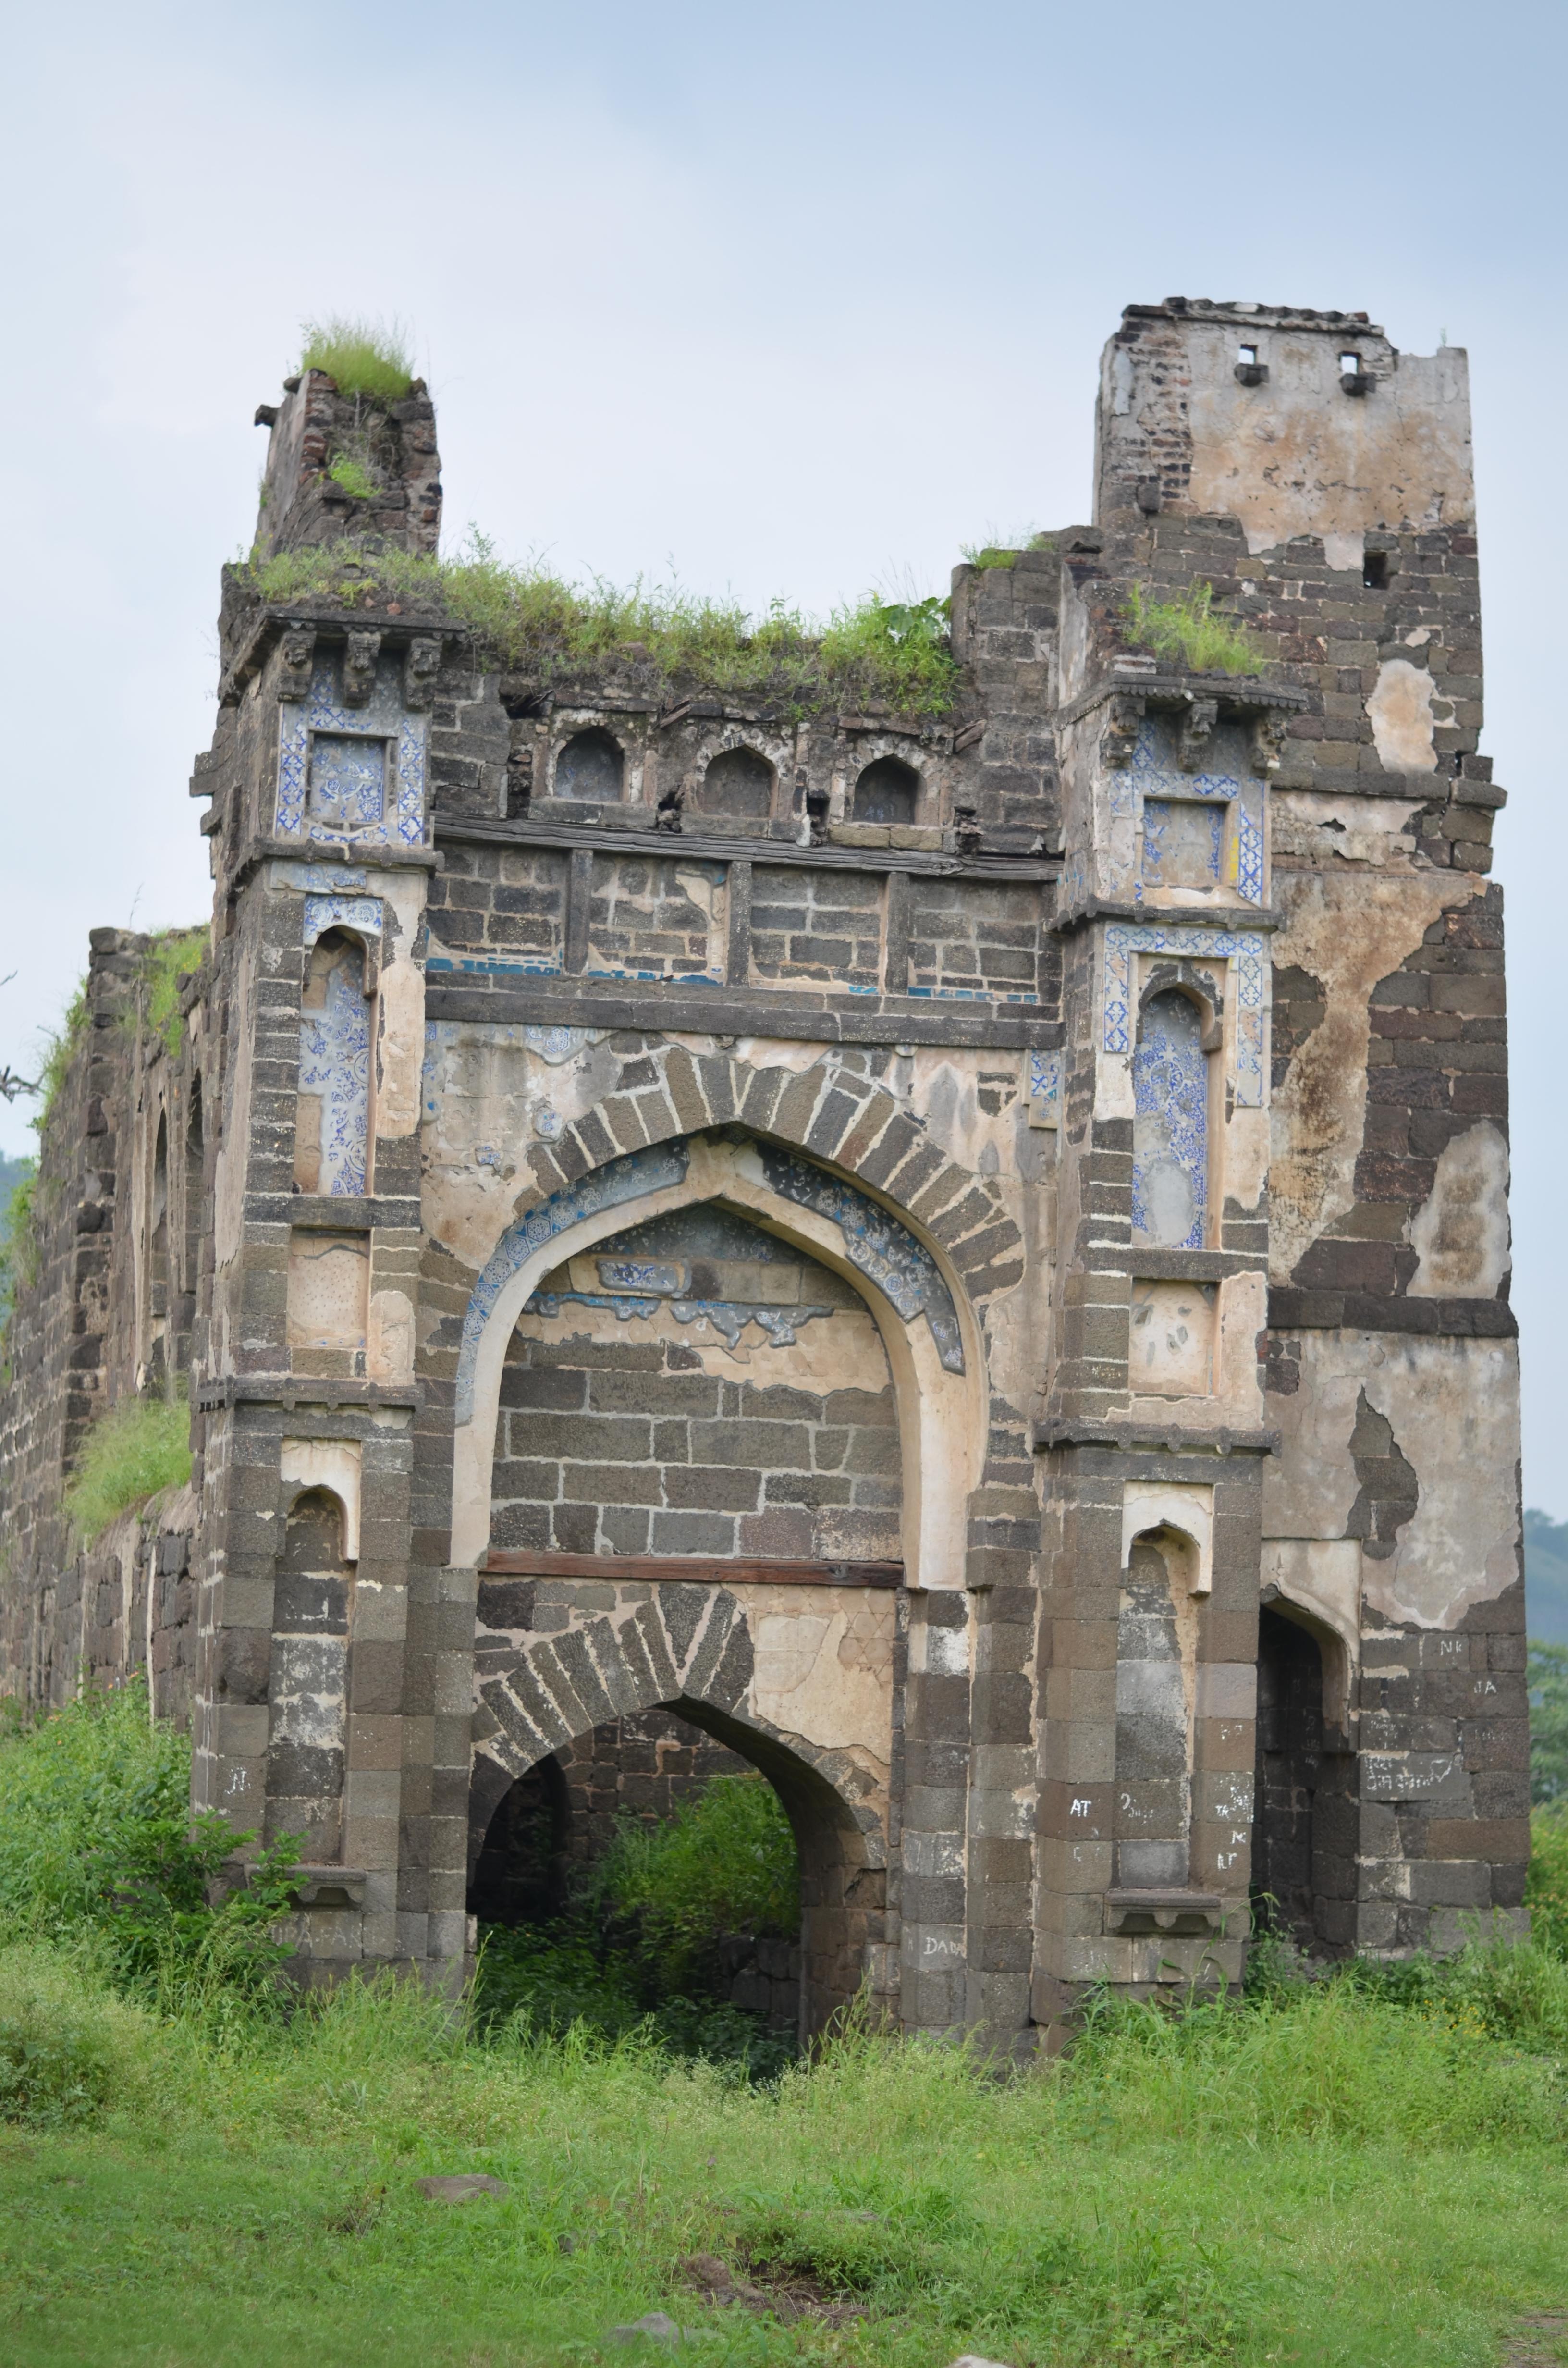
<point x="1546" y="1578"/>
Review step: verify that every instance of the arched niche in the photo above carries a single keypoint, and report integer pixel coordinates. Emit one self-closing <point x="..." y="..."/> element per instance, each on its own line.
<point x="591" y="765"/>
<point x="941" y="1413"/>
<point x="1172" y="1127"/>
<point x="1157" y="1660"/>
<point x="332" y="1107"/>
<point x="308" y="1681"/>
<point x="738" y="782"/>
<point x="887" y="790"/>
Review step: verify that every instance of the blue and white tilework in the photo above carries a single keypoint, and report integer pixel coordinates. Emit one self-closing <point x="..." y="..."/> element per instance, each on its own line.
<point x="1156" y="782"/>
<point x="903" y="1269"/>
<point x="1044" y="1087"/>
<point x="1170" y="1127"/>
<point x="342" y="912"/>
<point x="342" y="796"/>
<point x="1243" y="948"/>
<point x="319" y="879"/>
<point x="631" y="1178"/>
<point x="334" y="1062"/>
<point x="729" y="1317"/>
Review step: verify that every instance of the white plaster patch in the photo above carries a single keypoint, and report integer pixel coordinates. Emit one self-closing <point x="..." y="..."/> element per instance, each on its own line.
<point x="1348" y="931"/>
<point x="333" y="1464"/>
<point x="1461" y="1228"/>
<point x="1399" y="712"/>
<point x="1453" y="1408"/>
<point x="1344" y="552"/>
<point x="1184" y="1506"/>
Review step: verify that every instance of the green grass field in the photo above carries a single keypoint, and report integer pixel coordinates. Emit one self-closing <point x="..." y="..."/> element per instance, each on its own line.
<point x="1369" y="2169"/>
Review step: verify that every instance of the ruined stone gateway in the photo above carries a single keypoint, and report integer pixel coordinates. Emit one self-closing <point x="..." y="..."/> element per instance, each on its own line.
<point x="961" y="1257"/>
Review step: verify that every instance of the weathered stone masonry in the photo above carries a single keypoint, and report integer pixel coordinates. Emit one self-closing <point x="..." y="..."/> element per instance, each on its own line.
<point x="963" y="1258"/>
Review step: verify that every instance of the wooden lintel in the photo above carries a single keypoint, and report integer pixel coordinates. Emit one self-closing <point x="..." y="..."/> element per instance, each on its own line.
<point x="701" y="1570"/>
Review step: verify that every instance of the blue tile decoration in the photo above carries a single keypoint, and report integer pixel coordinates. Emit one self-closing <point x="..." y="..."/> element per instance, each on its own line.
<point x="1244" y="947"/>
<point x="328" y="760"/>
<point x="1156" y="781"/>
<point x="1170" y="1127"/>
<point x="729" y="1317"/>
<point x="335" y="1062"/>
<point x="620" y="1180"/>
<point x="320" y="879"/>
<point x="1180" y="838"/>
<point x="1045" y="1080"/>
<point x="348" y="789"/>
<point x="903" y="1269"/>
<point x="666" y="1278"/>
<point x="346" y="912"/>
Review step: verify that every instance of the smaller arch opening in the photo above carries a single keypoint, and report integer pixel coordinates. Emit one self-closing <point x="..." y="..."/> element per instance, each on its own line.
<point x="739" y="781"/>
<point x="1304" y="1814"/>
<point x="887" y="792"/>
<point x="591" y="765"/>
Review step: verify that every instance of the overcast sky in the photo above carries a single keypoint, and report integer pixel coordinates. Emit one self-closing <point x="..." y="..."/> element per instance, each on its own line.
<point x="782" y="301"/>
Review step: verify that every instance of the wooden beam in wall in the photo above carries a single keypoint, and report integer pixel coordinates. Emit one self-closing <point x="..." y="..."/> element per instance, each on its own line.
<point x="701" y="1570"/>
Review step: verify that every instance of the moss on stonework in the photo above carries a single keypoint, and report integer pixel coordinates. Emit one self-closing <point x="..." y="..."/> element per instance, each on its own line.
<point x="876" y="653"/>
<point x="1187" y="630"/>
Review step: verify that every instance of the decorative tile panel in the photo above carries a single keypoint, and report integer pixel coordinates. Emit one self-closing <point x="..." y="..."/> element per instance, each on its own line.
<point x="630" y="1179"/>
<point x="332" y="757"/>
<point x="1170" y="1127"/>
<point x="341" y="912"/>
<point x="729" y="1317"/>
<point x="1244" y="947"/>
<point x="900" y="1266"/>
<point x="1166" y="797"/>
<point x="1044" y="1091"/>
<point x="334" y="1062"/>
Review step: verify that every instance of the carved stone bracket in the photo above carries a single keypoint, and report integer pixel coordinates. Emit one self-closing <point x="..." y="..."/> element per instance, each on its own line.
<point x="1197" y="724"/>
<point x="421" y="665"/>
<point x="1268" y="734"/>
<point x="359" y="668"/>
<point x="297" y="651"/>
<point x="1119" y="740"/>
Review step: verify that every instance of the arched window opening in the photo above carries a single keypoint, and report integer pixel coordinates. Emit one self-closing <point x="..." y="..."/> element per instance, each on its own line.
<point x="591" y="765"/>
<point x="308" y="1679"/>
<point x="332" y="1123"/>
<point x="1304" y="1845"/>
<point x="738" y="782"/>
<point x="1170" y="1125"/>
<point x="1155" y="1660"/>
<point x="887" y="792"/>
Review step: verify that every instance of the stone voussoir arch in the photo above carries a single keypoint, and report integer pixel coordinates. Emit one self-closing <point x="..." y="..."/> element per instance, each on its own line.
<point x="667" y="1107"/>
<point x="845" y="1121"/>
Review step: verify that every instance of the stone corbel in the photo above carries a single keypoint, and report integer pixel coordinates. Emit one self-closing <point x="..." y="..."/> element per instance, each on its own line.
<point x="1197" y="724"/>
<point x="1269" y="728"/>
<point x="1124" y="713"/>
<point x="359" y="668"/>
<point x="297" y="652"/>
<point x="421" y="665"/>
<point x="1176" y="1912"/>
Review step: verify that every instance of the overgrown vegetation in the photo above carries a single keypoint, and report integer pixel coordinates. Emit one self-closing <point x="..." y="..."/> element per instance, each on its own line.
<point x="59" y="1049"/>
<point x="1363" y="2172"/>
<point x="173" y="954"/>
<point x="137" y="1448"/>
<point x="353" y="476"/>
<point x="1190" y="632"/>
<point x="643" y="1942"/>
<point x="1546" y="1669"/>
<point x="365" y="357"/>
<point x="892" y="652"/>
<point x="19" y="1240"/>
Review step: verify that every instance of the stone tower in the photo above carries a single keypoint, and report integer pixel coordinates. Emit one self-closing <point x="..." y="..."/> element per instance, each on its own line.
<point x="963" y="1254"/>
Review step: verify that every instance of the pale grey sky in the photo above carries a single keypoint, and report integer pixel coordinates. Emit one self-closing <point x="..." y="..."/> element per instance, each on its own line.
<point x="784" y="302"/>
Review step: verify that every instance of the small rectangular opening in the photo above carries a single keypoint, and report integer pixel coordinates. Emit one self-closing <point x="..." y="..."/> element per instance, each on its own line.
<point x="1375" y="571"/>
<point x="1350" y="364"/>
<point x="1246" y="353"/>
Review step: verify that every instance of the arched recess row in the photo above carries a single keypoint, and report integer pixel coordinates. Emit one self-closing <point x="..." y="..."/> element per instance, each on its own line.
<point x="690" y="1650"/>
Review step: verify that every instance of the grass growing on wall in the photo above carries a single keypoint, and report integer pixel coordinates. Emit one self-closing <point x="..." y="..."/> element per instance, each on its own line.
<point x="173" y="954"/>
<point x="137" y="1448"/>
<point x="1363" y="2172"/>
<point x="368" y="357"/>
<point x="1190" y="632"/>
<point x="893" y="652"/>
